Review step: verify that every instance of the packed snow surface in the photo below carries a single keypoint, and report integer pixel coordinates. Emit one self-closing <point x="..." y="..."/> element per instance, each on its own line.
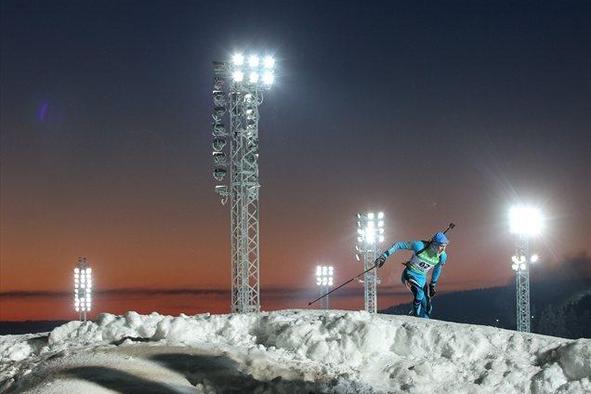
<point x="289" y="352"/>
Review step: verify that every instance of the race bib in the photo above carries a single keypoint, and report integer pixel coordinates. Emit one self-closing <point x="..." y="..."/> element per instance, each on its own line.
<point x="419" y="265"/>
<point x="422" y="266"/>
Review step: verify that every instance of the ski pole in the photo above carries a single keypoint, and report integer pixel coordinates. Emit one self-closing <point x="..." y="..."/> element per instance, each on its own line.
<point x="336" y="288"/>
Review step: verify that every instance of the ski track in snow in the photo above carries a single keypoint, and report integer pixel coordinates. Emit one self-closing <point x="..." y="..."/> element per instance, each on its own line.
<point x="289" y="352"/>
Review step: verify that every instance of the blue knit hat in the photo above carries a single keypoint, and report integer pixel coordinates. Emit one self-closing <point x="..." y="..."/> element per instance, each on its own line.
<point x="439" y="239"/>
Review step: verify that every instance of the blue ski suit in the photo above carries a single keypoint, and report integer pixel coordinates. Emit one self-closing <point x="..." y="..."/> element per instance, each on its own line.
<point x="414" y="276"/>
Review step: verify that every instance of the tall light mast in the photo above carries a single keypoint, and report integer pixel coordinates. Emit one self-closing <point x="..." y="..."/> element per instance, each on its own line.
<point x="237" y="93"/>
<point x="370" y="233"/>
<point x="82" y="288"/>
<point x="525" y="222"/>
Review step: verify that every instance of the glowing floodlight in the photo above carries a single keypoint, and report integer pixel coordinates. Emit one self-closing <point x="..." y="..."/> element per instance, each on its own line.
<point x="82" y="288"/>
<point x="526" y="221"/>
<point x="238" y="76"/>
<point x="324" y="275"/>
<point x="253" y="61"/>
<point x="254" y="77"/>
<point x="519" y="263"/>
<point x="269" y="62"/>
<point x="368" y="230"/>
<point x="238" y="59"/>
<point x="534" y="258"/>
<point x="370" y="235"/>
<point x="268" y="78"/>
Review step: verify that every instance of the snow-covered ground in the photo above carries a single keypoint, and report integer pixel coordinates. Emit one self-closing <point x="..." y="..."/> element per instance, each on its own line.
<point x="289" y="352"/>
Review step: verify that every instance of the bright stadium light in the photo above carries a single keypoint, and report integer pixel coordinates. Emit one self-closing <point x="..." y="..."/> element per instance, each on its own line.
<point x="238" y="76"/>
<point x="325" y="280"/>
<point x="268" y="78"/>
<point x="82" y="288"/>
<point x="269" y="62"/>
<point x="318" y="275"/>
<point x="370" y="233"/>
<point x="254" y="77"/>
<point x="238" y="59"/>
<point x="520" y="262"/>
<point x="534" y="258"/>
<point x="324" y="275"/>
<point x="525" y="221"/>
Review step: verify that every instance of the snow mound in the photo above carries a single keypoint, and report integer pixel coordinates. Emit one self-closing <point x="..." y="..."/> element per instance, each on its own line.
<point x="290" y="351"/>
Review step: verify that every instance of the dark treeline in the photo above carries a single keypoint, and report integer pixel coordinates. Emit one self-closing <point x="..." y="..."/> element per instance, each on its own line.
<point x="29" y="326"/>
<point x="560" y="309"/>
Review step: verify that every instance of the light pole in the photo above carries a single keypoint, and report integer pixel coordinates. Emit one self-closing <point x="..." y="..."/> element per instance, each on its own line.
<point x="370" y="233"/>
<point x="82" y="288"/>
<point x="237" y="93"/>
<point x="525" y="222"/>
<point x="324" y="279"/>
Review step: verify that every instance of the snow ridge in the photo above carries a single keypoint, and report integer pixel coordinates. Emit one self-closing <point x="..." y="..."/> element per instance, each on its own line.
<point x="295" y="350"/>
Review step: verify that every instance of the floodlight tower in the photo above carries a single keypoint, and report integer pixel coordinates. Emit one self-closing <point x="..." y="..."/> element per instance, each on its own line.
<point x="370" y="233"/>
<point x="82" y="288"/>
<point x="525" y="222"/>
<point x="325" y="280"/>
<point x="237" y="92"/>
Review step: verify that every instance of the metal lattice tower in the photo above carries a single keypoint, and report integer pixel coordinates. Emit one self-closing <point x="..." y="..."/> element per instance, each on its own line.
<point x="521" y="266"/>
<point x="238" y="92"/>
<point x="525" y="222"/>
<point x="370" y="232"/>
<point x="370" y="280"/>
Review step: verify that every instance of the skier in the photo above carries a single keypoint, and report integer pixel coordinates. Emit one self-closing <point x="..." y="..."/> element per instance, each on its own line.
<point x="427" y="255"/>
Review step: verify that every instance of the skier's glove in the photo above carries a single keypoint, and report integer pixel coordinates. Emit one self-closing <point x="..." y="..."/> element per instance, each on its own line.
<point x="432" y="290"/>
<point x="380" y="261"/>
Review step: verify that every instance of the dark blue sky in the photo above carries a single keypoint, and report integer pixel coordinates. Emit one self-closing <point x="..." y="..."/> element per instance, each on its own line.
<point x="430" y="111"/>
